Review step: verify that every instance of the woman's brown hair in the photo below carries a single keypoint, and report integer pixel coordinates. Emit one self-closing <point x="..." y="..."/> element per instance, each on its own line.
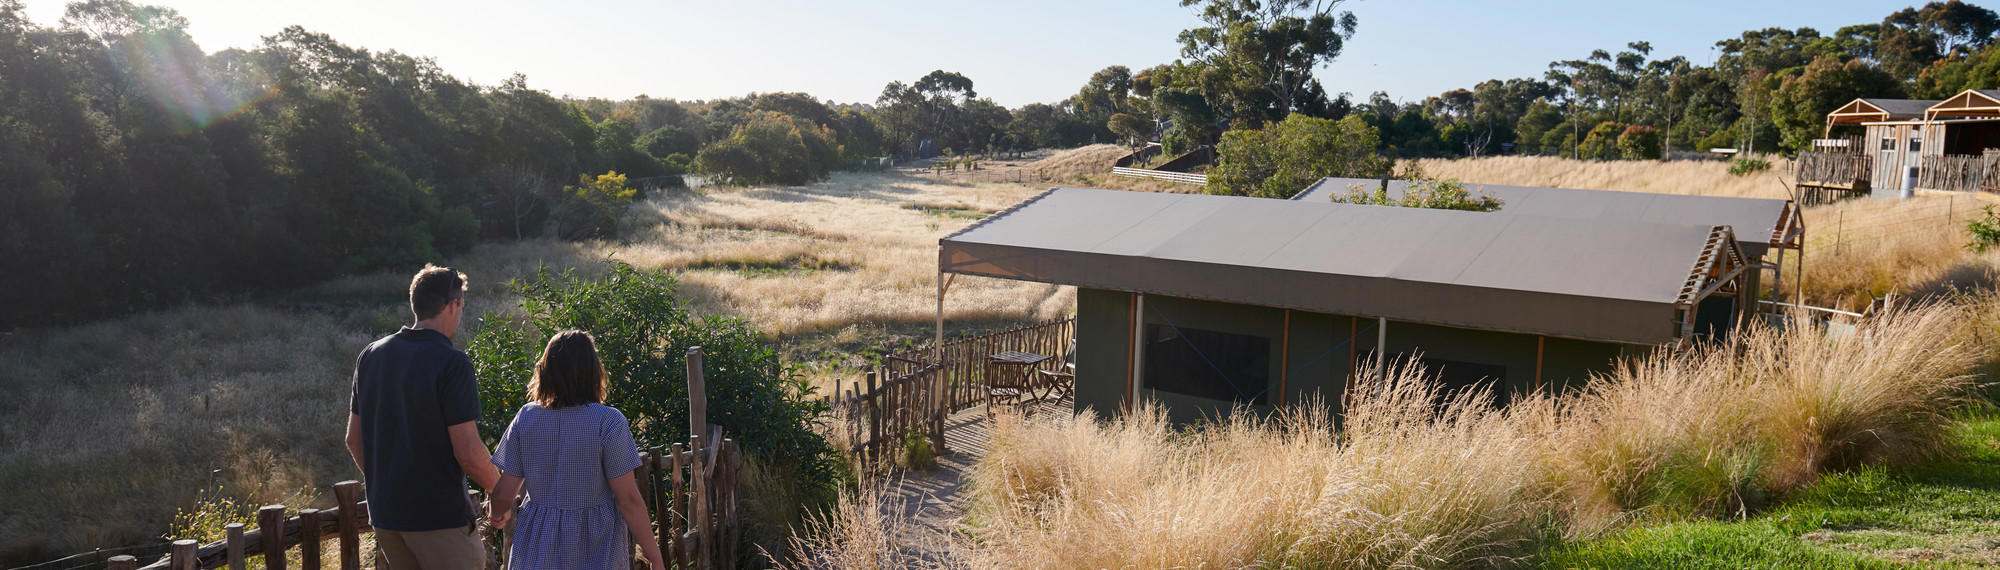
<point x="569" y="373"/>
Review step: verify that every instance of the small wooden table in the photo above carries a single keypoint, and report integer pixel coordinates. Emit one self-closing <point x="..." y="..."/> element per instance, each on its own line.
<point x="1010" y="377"/>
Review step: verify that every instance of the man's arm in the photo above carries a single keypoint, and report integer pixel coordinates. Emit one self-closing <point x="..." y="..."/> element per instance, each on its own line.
<point x="354" y="440"/>
<point x="473" y="456"/>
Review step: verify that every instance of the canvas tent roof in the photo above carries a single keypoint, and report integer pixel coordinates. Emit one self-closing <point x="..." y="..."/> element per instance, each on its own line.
<point x="1576" y="278"/>
<point x="1758" y="223"/>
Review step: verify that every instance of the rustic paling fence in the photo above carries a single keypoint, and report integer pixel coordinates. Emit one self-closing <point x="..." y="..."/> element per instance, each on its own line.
<point x="1834" y="171"/>
<point x="911" y="390"/>
<point x="689" y="490"/>
<point x="1952" y="172"/>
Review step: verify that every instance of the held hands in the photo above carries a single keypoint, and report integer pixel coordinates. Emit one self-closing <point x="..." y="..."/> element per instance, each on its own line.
<point x="498" y="516"/>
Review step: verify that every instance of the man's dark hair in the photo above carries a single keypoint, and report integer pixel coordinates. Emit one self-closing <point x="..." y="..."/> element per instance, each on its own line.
<point x="433" y="288"/>
<point x="569" y="373"/>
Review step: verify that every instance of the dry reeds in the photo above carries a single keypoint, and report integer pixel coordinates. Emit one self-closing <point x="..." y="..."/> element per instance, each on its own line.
<point x="1401" y="486"/>
<point x="1419" y="479"/>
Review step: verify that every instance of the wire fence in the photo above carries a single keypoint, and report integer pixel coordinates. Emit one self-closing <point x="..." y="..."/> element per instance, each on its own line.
<point x="1844" y="229"/>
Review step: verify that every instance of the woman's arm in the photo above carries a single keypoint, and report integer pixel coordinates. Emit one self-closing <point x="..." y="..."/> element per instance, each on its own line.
<point x="500" y="511"/>
<point x="625" y="488"/>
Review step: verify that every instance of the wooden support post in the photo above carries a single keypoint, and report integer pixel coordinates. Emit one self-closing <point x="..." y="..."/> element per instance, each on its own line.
<point x="309" y="539"/>
<point x="698" y="474"/>
<point x="1540" y="341"/>
<point x="233" y="545"/>
<point x="697" y="394"/>
<point x="1381" y="346"/>
<point x="123" y="562"/>
<point x="181" y="556"/>
<point x="874" y="411"/>
<point x="1353" y="330"/>
<point x="271" y="524"/>
<point x="1284" y="357"/>
<point x="348" y="495"/>
<point x="679" y="502"/>
<point x="1138" y="352"/>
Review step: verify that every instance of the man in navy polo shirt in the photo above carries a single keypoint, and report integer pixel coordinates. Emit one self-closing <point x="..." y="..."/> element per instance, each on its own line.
<point x="413" y="429"/>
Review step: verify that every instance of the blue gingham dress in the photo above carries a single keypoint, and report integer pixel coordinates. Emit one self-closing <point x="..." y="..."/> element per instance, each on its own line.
<point x="568" y="457"/>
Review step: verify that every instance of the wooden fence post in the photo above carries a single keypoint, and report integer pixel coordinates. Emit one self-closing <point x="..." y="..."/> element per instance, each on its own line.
<point x="348" y="495"/>
<point x="233" y="545"/>
<point x="122" y="562"/>
<point x="182" y="555"/>
<point x="697" y="394"/>
<point x="271" y="523"/>
<point x="309" y="539"/>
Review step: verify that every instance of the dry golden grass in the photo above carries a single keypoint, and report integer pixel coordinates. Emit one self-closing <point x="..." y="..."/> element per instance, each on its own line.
<point x="115" y="425"/>
<point x="1698" y="177"/>
<point x="111" y="427"/>
<point x="1417" y="479"/>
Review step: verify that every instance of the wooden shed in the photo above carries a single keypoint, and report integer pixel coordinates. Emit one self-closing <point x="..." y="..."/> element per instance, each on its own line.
<point x="1945" y="141"/>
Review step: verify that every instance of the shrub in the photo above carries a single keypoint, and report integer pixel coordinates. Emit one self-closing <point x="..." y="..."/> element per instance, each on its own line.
<point x="1985" y="231"/>
<point x="1748" y="165"/>
<point x="1601" y="142"/>
<point x="643" y="333"/>
<point x="917" y="452"/>
<point x="1281" y="159"/>
<point x="590" y="209"/>
<point x="771" y="148"/>
<point x="1639" y="142"/>
<point x="1437" y="194"/>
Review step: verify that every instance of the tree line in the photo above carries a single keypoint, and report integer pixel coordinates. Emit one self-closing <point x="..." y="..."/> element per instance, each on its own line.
<point x="139" y="170"/>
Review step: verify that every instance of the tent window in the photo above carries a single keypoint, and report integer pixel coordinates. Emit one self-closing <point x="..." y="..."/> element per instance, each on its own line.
<point x="1888" y="143"/>
<point x="1208" y="364"/>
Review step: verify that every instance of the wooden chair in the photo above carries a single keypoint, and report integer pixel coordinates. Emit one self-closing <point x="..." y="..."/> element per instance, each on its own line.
<point x="1061" y="382"/>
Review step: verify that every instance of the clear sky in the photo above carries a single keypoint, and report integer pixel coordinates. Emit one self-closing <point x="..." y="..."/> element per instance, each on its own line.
<point x="1016" y="51"/>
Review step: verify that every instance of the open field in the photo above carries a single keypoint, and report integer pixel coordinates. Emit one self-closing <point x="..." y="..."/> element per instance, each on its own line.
<point x="116" y="424"/>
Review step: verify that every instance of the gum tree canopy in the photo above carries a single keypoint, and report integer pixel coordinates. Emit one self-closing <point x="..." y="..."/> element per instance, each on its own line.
<point x="1262" y="54"/>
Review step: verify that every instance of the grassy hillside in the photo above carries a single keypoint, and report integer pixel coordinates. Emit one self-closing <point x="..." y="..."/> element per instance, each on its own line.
<point x="116" y="424"/>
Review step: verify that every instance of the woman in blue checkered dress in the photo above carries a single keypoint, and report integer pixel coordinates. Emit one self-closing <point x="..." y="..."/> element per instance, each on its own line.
<point x="575" y="457"/>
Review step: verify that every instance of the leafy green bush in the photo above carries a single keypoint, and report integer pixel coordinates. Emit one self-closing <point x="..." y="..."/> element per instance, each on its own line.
<point x="1436" y="194"/>
<point x="590" y="209"/>
<point x="1748" y="165"/>
<point x="1279" y="160"/>
<point x="1639" y="142"/>
<point x="771" y="148"/>
<point x="917" y="452"/>
<point x="1601" y="142"/>
<point x="1985" y="231"/>
<point x="643" y="333"/>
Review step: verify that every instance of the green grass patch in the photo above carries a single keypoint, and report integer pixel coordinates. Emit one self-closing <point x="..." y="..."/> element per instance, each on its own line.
<point x="953" y="212"/>
<point x="773" y="266"/>
<point x="1944" y="514"/>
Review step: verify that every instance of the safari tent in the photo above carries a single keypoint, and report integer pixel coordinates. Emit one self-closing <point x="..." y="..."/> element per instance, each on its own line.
<point x="1206" y="302"/>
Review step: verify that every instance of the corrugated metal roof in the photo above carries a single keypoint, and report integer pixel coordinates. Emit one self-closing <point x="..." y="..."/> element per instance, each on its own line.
<point x="1753" y="219"/>
<point x="1903" y="108"/>
<point x="1574" y="277"/>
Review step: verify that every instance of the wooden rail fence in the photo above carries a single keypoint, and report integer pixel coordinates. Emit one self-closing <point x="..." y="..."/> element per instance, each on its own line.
<point x="1180" y="177"/>
<point x="689" y="490"/>
<point x="876" y="416"/>
<point x="911" y="391"/>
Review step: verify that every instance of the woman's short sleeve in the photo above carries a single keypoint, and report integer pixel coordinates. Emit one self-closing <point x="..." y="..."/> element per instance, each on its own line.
<point x="507" y="456"/>
<point x="621" y="454"/>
